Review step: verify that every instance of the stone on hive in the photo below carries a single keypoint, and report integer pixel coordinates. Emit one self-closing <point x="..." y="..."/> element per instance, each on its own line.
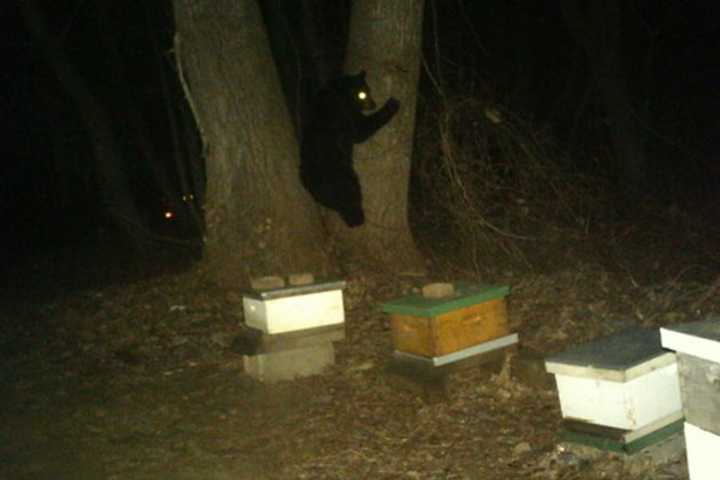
<point x="304" y="278"/>
<point x="438" y="290"/>
<point x="267" y="283"/>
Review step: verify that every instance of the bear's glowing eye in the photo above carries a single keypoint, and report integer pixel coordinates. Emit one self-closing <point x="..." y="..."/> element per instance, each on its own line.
<point x="362" y="95"/>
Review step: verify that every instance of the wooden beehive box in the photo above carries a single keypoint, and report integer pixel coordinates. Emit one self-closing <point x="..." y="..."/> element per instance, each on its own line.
<point x="431" y="327"/>
<point x="295" y="308"/>
<point x="625" y="381"/>
<point x="698" y="351"/>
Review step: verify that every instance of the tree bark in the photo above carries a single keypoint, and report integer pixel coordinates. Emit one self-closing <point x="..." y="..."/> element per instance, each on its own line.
<point x="385" y="40"/>
<point x="259" y="220"/>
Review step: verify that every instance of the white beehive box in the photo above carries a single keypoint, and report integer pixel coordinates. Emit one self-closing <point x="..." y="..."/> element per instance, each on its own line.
<point x="702" y="452"/>
<point x="698" y="351"/>
<point x="295" y="308"/>
<point x="703" y="449"/>
<point x="625" y="381"/>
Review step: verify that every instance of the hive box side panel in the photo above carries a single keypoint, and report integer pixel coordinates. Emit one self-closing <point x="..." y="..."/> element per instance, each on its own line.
<point x="295" y="313"/>
<point x="656" y="394"/>
<point x="451" y="331"/>
<point x="592" y="401"/>
<point x="702" y="453"/>
<point x="700" y="382"/>
<point x="470" y="326"/>
<point x="413" y="334"/>
<point x="255" y="312"/>
<point x="626" y="405"/>
<point x="309" y="337"/>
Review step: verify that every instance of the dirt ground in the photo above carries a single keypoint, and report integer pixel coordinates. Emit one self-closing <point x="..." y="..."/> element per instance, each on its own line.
<point x="128" y="372"/>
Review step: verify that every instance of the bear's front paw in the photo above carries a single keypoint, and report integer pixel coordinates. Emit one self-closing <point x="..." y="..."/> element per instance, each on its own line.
<point x="392" y="105"/>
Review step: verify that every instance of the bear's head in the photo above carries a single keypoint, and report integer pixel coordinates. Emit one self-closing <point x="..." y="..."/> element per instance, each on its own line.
<point x="360" y="91"/>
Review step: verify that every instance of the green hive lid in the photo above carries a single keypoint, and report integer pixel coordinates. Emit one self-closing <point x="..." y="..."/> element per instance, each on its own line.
<point x="465" y="296"/>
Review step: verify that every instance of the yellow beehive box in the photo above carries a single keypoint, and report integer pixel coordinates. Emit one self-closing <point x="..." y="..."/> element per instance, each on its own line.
<point x="432" y="327"/>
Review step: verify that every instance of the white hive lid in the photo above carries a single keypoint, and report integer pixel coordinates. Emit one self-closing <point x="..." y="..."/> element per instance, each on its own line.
<point x="619" y="357"/>
<point x="292" y="291"/>
<point x="699" y="339"/>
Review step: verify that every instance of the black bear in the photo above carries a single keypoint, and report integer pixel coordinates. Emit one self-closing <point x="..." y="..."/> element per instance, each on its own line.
<point x="338" y="122"/>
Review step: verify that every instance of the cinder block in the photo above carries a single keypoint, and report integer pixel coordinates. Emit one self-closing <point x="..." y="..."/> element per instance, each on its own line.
<point x="251" y="341"/>
<point x="290" y="364"/>
<point x="425" y="378"/>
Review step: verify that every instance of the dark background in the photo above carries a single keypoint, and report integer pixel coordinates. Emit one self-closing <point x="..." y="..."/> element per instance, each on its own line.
<point x="518" y="53"/>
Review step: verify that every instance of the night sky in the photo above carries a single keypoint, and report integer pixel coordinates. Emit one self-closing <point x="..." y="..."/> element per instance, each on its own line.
<point x="121" y="50"/>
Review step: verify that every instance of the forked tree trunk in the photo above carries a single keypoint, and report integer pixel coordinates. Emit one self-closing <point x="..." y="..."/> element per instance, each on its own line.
<point x="385" y="40"/>
<point x="259" y="219"/>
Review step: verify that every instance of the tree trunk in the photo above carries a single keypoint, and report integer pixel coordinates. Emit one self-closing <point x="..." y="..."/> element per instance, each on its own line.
<point x="385" y="39"/>
<point x="259" y="219"/>
<point x="598" y="30"/>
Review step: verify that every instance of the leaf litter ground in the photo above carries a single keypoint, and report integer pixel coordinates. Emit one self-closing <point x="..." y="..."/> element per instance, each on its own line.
<point x="127" y="372"/>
